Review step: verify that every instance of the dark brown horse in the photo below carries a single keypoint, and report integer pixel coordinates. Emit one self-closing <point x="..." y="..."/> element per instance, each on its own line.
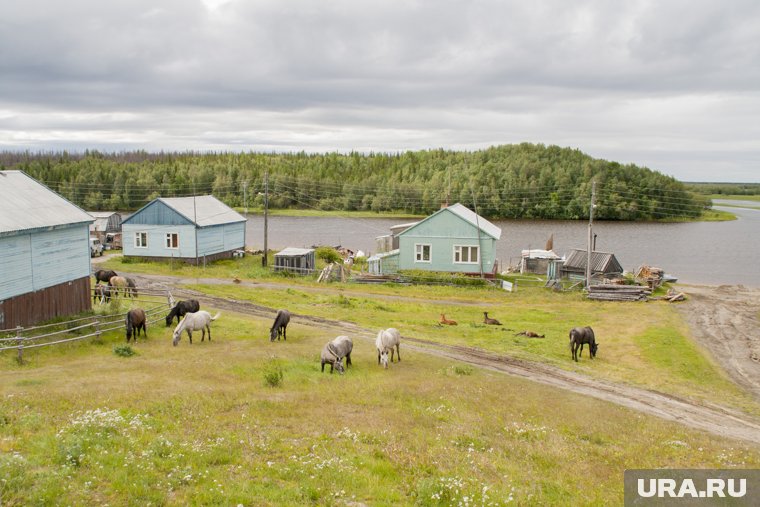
<point x="579" y="336"/>
<point x="135" y="321"/>
<point x="101" y="293"/>
<point x="104" y="275"/>
<point x="280" y="326"/>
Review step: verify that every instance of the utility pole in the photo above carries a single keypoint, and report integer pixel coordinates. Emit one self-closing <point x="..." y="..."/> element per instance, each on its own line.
<point x="590" y="233"/>
<point x="477" y="225"/>
<point x="245" y="197"/>
<point x="195" y="225"/>
<point x="266" y="217"/>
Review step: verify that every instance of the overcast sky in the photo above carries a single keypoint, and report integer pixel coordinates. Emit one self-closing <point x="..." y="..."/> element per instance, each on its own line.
<point x="673" y="86"/>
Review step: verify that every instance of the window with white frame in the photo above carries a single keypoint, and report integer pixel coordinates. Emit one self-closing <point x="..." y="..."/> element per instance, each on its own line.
<point x="172" y="240"/>
<point x="421" y="253"/>
<point x="141" y="240"/>
<point x="466" y="254"/>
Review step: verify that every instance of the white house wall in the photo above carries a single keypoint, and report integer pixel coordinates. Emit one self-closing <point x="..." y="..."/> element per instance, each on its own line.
<point x="157" y="240"/>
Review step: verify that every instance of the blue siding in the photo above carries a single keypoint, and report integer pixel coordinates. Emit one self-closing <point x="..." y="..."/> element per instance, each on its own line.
<point x="221" y="238"/>
<point x="42" y="259"/>
<point x="234" y="236"/>
<point x="157" y="240"/>
<point x="157" y="213"/>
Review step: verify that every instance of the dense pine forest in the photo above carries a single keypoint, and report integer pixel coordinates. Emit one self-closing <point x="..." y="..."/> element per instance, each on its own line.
<point x="510" y="181"/>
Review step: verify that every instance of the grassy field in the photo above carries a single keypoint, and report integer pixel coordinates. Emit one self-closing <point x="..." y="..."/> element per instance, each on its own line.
<point x="241" y="420"/>
<point x="735" y="197"/>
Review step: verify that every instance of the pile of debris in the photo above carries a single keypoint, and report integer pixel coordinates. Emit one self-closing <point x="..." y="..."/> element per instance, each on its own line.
<point x="651" y="276"/>
<point x="612" y="292"/>
<point x="672" y="296"/>
<point x="334" y="271"/>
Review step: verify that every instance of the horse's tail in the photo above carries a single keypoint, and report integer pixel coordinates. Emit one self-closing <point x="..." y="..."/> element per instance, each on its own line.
<point x="218" y="314"/>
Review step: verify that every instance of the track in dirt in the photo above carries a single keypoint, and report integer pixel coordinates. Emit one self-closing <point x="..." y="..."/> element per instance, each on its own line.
<point x="714" y="419"/>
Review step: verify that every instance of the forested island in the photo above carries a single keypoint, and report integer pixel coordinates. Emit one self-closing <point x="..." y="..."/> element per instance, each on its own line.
<point x="509" y="181"/>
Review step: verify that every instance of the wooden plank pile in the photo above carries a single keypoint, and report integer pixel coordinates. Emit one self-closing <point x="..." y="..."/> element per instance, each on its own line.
<point x="610" y="292"/>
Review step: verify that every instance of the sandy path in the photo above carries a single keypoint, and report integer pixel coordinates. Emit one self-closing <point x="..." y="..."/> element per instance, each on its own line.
<point x="726" y="321"/>
<point x="721" y="421"/>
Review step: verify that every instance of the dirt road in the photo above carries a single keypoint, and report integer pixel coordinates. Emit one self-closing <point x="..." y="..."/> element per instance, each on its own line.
<point x="726" y="321"/>
<point x="714" y="419"/>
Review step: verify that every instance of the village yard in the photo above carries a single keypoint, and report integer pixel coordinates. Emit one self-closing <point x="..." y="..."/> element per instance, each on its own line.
<point x="242" y="420"/>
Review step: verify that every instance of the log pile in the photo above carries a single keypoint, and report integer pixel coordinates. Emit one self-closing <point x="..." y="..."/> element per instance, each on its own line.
<point x="672" y="296"/>
<point x="610" y="292"/>
<point x="650" y="275"/>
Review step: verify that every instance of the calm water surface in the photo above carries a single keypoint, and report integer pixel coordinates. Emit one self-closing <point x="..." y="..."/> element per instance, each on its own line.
<point x="696" y="252"/>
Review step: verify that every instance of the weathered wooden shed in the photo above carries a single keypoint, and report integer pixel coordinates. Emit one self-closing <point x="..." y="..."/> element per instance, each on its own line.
<point x="44" y="253"/>
<point x="453" y="239"/>
<point x="193" y="229"/>
<point x="602" y="264"/>
<point x="297" y="260"/>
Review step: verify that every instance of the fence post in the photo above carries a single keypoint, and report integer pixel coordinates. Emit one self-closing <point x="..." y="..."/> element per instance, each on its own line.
<point x="96" y="323"/>
<point x="20" y="343"/>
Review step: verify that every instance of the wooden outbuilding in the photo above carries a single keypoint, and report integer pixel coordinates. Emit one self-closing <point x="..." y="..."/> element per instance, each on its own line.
<point x="44" y="253"/>
<point x="603" y="264"/>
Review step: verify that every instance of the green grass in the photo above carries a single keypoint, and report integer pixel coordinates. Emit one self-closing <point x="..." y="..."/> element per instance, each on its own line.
<point x="644" y="344"/>
<point x="735" y="197"/>
<point x="197" y="425"/>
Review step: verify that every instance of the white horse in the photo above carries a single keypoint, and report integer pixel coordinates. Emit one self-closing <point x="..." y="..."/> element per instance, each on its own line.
<point x="193" y="322"/>
<point x="385" y="342"/>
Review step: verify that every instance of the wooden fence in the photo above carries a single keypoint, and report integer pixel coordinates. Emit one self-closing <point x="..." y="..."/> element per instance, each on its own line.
<point x="21" y="338"/>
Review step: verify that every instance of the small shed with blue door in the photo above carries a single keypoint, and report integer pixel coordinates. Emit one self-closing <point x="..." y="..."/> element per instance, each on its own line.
<point x="193" y="229"/>
<point x="453" y="239"/>
<point x="44" y="253"/>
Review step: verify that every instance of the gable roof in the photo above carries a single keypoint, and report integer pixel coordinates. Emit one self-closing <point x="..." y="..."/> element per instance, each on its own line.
<point x="26" y="204"/>
<point x="467" y="215"/>
<point x="203" y="210"/>
<point x="601" y="262"/>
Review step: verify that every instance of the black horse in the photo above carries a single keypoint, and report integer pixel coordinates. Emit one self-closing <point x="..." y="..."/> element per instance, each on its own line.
<point x="181" y="308"/>
<point x="104" y="275"/>
<point x="280" y="326"/>
<point x="579" y="336"/>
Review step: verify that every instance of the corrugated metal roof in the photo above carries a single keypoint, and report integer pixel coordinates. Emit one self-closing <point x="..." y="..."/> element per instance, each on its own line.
<point x="27" y="204"/>
<point x="290" y="251"/>
<point x="601" y="262"/>
<point x="475" y="219"/>
<point x="207" y="210"/>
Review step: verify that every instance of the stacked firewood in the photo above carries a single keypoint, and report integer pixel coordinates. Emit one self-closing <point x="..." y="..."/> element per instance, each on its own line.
<point x="650" y="275"/>
<point x="610" y="292"/>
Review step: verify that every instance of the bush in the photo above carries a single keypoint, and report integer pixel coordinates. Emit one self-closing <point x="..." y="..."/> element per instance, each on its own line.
<point x="124" y="351"/>
<point x="273" y="373"/>
<point x="328" y="254"/>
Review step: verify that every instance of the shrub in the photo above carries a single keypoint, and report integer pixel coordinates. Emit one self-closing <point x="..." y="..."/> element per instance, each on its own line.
<point x="273" y="373"/>
<point x="123" y="351"/>
<point x="328" y="254"/>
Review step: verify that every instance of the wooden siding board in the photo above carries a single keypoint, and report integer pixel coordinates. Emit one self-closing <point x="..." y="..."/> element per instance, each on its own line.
<point x="210" y="240"/>
<point x="157" y="213"/>
<point x="157" y="240"/>
<point x="59" y="256"/>
<point x="60" y="300"/>
<point x="234" y="236"/>
<point x="16" y="265"/>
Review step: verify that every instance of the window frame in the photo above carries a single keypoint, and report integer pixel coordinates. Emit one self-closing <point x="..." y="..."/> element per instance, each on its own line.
<point x="459" y="249"/>
<point x="139" y="236"/>
<point x="169" y="240"/>
<point x="419" y="253"/>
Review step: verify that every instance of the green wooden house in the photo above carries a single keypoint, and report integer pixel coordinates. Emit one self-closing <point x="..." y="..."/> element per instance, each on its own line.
<point x="453" y="239"/>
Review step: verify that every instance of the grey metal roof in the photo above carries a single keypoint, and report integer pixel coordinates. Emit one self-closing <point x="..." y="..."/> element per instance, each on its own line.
<point x="601" y="262"/>
<point x="207" y="210"/>
<point x="27" y="204"/>
<point x="475" y="219"/>
<point x="291" y="251"/>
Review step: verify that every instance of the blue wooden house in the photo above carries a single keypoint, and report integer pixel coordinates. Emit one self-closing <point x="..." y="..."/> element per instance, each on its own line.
<point x="453" y="239"/>
<point x="194" y="229"/>
<point x="44" y="253"/>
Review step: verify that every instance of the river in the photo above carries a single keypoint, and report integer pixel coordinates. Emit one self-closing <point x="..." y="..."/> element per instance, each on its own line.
<point x="712" y="253"/>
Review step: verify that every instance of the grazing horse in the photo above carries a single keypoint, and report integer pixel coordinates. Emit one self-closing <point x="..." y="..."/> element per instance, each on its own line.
<point x="200" y="320"/>
<point x="447" y="322"/>
<point x="135" y="321"/>
<point x="118" y="285"/>
<point x="489" y="320"/>
<point x="280" y="326"/>
<point x="131" y="287"/>
<point x="104" y="275"/>
<point x="580" y="336"/>
<point x="334" y="352"/>
<point x="385" y="342"/>
<point x="181" y="308"/>
<point x="101" y="293"/>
